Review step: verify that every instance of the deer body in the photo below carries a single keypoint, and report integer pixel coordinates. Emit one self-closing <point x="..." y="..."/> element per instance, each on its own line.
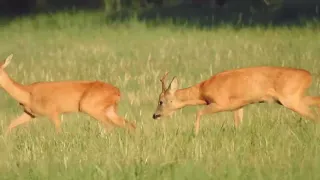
<point x="233" y="89"/>
<point x="68" y="96"/>
<point x="51" y="99"/>
<point x="253" y="85"/>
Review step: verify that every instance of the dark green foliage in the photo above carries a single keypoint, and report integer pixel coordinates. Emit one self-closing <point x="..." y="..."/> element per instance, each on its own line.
<point x="28" y="6"/>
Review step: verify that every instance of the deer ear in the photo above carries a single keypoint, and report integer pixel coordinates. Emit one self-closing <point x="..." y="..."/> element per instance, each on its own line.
<point x="7" y="61"/>
<point x="173" y="85"/>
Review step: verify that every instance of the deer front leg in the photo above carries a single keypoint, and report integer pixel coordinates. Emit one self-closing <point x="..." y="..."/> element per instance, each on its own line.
<point x="211" y="108"/>
<point x="238" y="116"/>
<point x="214" y="108"/>
<point x="22" y="119"/>
<point x="57" y="122"/>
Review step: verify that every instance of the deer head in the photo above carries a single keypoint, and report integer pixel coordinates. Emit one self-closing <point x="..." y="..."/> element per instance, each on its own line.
<point x="167" y="103"/>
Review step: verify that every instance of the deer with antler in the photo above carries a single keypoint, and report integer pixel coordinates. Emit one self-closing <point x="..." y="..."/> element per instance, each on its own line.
<point x="51" y="99"/>
<point x="232" y="90"/>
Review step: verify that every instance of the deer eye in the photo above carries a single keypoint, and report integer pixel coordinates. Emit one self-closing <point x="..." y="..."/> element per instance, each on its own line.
<point x="161" y="102"/>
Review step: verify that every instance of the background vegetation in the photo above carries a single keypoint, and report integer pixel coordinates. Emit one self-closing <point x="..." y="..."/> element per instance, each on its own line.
<point x="132" y="53"/>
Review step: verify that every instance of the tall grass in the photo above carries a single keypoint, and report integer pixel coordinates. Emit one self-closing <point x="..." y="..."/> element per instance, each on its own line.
<point x="272" y="143"/>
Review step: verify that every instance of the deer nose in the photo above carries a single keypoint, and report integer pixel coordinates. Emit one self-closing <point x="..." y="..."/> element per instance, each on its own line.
<point x="155" y="116"/>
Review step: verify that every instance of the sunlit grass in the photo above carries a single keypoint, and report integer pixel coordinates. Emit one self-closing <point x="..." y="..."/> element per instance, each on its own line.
<point x="273" y="142"/>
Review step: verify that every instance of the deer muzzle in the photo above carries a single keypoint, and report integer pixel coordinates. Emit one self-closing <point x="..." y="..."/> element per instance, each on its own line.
<point x="156" y="116"/>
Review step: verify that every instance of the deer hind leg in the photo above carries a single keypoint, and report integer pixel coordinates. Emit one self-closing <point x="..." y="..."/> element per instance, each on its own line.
<point x="109" y="118"/>
<point x="111" y="114"/>
<point x="238" y="116"/>
<point x="304" y="110"/>
<point x="22" y="119"/>
<point x="295" y="102"/>
<point x="297" y="105"/>
<point x="100" y="116"/>
<point x="313" y="100"/>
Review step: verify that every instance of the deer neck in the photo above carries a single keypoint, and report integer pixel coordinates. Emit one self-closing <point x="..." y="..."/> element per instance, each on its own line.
<point x="14" y="89"/>
<point x="190" y="96"/>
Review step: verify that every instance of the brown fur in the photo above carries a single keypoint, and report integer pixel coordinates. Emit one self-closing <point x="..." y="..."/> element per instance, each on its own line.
<point x="51" y="99"/>
<point x="233" y="89"/>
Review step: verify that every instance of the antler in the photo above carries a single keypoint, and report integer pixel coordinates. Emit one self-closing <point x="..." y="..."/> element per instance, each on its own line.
<point x="6" y="62"/>
<point x="163" y="81"/>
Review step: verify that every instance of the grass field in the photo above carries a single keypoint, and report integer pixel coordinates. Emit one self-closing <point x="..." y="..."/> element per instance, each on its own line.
<point x="272" y="143"/>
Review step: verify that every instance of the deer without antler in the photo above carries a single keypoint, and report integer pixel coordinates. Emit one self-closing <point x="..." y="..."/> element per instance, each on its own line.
<point x="233" y="89"/>
<point x="51" y="99"/>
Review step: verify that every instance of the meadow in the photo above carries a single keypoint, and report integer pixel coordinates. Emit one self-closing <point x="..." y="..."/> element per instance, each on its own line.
<point x="272" y="143"/>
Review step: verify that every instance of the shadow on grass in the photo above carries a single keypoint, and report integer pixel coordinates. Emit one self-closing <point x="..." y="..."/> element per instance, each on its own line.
<point x="236" y="16"/>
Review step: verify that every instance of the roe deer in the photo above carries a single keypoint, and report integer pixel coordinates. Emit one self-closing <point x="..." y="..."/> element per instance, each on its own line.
<point x="51" y="99"/>
<point x="231" y="90"/>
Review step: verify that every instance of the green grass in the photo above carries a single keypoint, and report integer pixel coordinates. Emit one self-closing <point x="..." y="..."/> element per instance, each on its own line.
<point x="273" y="142"/>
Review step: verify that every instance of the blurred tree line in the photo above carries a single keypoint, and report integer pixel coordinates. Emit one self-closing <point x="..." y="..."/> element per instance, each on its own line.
<point x="31" y="6"/>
